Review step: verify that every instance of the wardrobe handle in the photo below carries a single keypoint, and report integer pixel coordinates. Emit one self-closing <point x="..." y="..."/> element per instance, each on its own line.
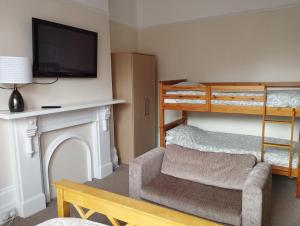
<point x="146" y="106"/>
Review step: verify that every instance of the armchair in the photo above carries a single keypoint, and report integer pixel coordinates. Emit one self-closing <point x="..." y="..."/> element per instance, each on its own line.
<point x="231" y="189"/>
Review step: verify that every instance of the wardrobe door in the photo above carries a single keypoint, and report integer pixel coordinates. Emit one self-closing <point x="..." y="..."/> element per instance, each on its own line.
<point x="123" y="113"/>
<point x="144" y="74"/>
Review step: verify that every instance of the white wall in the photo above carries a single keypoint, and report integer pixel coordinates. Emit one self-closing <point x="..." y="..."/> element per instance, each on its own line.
<point x="157" y="12"/>
<point x="93" y="4"/>
<point x="247" y="47"/>
<point x="123" y="12"/>
<point x="123" y="23"/>
<point x="15" y="40"/>
<point x="123" y="38"/>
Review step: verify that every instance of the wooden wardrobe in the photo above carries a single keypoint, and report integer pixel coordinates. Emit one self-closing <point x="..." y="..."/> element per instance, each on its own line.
<point x="134" y="80"/>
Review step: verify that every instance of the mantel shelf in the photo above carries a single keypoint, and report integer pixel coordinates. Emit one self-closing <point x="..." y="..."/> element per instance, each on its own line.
<point x="72" y="107"/>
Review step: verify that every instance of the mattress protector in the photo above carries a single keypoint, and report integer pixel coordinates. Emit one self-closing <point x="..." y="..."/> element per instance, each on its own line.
<point x="202" y="140"/>
<point x="275" y="98"/>
<point x="68" y="221"/>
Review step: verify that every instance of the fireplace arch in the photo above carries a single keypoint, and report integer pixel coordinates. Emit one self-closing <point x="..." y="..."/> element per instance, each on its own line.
<point x="52" y="148"/>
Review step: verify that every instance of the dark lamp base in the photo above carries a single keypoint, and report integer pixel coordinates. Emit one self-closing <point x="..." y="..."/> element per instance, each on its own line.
<point x="16" y="102"/>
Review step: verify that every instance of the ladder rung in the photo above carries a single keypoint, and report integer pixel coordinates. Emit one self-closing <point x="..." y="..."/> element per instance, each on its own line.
<point x="278" y="121"/>
<point x="286" y="146"/>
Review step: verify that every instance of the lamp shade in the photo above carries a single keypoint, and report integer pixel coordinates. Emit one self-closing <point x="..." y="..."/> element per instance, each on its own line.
<point x="15" y="70"/>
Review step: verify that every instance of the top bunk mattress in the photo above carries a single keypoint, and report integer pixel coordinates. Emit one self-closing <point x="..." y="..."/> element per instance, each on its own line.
<point x="202" y="140"/>
<point x="275" y="98"/>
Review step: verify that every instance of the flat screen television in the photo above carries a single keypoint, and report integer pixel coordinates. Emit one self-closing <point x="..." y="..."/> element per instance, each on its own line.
<point x="63" y="51"/>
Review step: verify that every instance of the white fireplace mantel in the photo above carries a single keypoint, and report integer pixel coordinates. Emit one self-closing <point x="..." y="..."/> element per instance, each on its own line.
<point x="71" y="107"/>
<point x="31" y="181"/>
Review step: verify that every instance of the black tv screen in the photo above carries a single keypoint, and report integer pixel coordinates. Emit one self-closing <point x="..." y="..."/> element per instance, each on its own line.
<point x="63" y="51"/>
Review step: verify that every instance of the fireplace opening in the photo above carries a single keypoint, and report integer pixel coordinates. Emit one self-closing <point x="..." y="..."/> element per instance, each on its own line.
<point x="67" y="154"/>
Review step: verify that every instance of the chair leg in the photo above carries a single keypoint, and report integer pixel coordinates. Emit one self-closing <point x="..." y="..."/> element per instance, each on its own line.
<point x="63" y="208"/>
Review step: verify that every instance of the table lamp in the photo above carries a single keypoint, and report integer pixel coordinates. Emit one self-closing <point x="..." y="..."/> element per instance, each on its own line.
<point x="15" y="70"/>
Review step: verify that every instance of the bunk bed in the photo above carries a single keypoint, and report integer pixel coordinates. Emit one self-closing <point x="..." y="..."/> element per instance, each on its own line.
<point x="275" y="102"/>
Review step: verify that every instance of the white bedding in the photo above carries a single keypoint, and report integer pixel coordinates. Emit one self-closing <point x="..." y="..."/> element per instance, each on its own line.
<point x="275" y="98"/>
<point x="70" y="222"/>
<point x="193" y="137"/>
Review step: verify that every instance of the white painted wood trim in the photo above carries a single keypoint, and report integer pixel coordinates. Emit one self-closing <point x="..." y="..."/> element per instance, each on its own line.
<point x="28" y="199"/>
<point x="25" y="130"/>
<point x="65" y="108"/>
<point x="53" y="127"/>
<point x="7" y="201"/>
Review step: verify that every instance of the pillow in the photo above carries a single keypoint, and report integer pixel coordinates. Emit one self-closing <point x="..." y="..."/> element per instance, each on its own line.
<point x="216" y="169"/>
<point x="186" y="134"/>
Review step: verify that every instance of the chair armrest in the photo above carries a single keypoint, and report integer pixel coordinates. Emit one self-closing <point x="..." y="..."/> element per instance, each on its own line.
<point x="256" y="201"/>
<point x="143" y="169"/>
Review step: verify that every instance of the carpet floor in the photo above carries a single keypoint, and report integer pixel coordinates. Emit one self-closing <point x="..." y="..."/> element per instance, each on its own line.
<point x="285" y="207"/>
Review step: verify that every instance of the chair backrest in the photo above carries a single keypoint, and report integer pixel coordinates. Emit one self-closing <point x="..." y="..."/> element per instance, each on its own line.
<point x="216" y="169"/>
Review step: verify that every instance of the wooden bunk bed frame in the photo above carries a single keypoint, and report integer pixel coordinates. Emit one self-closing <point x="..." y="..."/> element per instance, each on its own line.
<point x="88" y="201"/>
<point x="209" y="88"/>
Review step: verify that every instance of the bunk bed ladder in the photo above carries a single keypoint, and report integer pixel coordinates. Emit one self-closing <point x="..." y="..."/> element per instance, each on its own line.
<point x="288" y="146"/>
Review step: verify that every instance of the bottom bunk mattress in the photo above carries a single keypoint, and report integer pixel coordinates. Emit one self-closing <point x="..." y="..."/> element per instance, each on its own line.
<point x="195" y="138"/>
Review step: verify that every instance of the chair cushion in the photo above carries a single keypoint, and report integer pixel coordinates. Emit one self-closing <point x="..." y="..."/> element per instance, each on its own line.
<point x="216" y="204"/>
<point x="210" y="168"/>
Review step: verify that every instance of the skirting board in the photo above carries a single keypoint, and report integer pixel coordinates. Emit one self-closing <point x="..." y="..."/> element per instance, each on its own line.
<point x="33" y="205"/>
<point x="7" y="202"/>
<point x="106" y="170"/>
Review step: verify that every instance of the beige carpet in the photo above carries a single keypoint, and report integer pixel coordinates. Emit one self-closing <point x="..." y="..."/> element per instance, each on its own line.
<point x="285" y="208"/>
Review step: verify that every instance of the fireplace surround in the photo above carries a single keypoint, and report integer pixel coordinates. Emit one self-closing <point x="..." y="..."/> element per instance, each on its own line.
<point x="31" y="187"/>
